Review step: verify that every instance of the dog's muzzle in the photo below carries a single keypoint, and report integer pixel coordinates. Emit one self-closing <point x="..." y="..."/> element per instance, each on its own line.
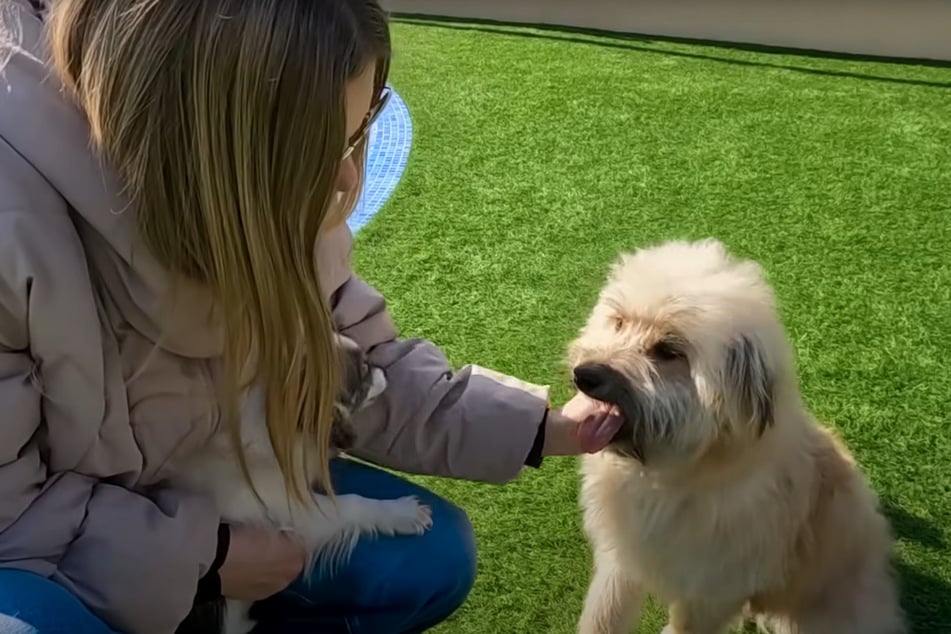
<point x="603" y="383"/>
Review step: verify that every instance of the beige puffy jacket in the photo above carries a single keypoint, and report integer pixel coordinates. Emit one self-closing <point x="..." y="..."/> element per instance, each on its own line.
<point x="97" y="394"/>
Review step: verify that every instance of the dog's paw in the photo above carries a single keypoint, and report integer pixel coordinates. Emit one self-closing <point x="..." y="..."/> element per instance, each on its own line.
<point x="668" y="629"/>
<point x="407" y="516"/>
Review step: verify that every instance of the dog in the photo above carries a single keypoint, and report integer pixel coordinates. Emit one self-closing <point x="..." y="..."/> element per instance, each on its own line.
<point x="720" y="495"/>
<point x="329" y="528"/>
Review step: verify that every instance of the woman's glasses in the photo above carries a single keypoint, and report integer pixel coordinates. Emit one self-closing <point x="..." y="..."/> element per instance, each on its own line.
<point x="364" y="129"/>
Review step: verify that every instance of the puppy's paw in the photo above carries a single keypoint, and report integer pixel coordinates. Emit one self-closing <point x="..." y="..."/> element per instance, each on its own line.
<point x="669" y="629"/>
<point x="406" y="516"/>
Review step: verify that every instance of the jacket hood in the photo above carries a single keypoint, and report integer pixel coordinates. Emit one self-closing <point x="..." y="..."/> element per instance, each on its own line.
<point x="42" y="124"/>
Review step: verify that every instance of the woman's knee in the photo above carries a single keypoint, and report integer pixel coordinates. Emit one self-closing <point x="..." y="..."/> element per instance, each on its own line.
<point x="432" y="572"/>
<point x="413" y="581"/>
<point x="31" y="604"/>
<point x="396" y="584"/>
<point x="458" y="537"/>
<point x="445" y="555"/>
<point x="445" y="559"/>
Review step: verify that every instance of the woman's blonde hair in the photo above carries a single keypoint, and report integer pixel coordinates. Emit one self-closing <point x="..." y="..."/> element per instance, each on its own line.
<point x="226" y="120"/>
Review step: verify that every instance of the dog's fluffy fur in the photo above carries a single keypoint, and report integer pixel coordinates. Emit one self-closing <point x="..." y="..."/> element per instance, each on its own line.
<point x="330" y="528"/>
<point x="721" y="495"/>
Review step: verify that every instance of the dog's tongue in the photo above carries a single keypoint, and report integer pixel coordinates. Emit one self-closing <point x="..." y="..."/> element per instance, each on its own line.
<point x="597" y="432"/>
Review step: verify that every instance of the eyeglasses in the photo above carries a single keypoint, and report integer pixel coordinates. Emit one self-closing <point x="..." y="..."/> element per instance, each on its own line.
<point x="364" y="129"/>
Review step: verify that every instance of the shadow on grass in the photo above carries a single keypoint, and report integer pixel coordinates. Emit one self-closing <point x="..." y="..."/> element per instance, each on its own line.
<point x="924" y="597"/>
<point x="913" y="528"/>
<point x="630" y="42"/>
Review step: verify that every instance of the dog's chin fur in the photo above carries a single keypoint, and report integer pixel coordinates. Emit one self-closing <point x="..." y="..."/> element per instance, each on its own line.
<point x="720" y="495"/>
<point x="329" y="527"/>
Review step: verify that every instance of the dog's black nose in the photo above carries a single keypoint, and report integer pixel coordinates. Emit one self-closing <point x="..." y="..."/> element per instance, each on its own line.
<point x="591" y="378"/>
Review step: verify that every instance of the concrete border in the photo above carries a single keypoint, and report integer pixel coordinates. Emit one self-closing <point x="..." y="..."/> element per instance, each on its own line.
<point x="906" y="29"/>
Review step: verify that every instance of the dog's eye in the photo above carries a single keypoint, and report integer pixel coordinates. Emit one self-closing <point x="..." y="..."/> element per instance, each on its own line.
<point x="618" y="323"/>
<point x="666" y="351"/>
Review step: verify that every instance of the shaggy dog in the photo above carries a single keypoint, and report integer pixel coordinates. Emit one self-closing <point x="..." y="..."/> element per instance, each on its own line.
<point x="329" y="528"/>
<point x="720" y="495"/>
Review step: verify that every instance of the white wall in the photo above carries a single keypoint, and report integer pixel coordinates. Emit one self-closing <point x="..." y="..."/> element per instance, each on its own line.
<point x="895" y="28"/>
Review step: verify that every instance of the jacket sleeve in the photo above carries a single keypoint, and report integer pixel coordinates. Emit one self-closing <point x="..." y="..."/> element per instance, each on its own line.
<point x="474" y="424"/>
<point x="134" y="559"/>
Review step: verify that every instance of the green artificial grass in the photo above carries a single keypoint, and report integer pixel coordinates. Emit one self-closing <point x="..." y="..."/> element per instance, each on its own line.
<point x="540" y="155"/>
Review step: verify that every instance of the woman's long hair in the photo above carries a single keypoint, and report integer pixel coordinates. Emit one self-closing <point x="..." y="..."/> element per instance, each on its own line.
<point x="226" y="121"/>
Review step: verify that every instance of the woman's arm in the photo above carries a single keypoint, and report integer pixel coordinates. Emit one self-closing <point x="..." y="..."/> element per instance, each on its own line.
<point x="474" y="424"/>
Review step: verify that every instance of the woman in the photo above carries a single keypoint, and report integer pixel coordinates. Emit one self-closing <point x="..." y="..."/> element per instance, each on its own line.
<point x="166" y="169"/>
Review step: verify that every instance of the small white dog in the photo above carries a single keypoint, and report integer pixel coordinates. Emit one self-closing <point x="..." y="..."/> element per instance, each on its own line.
<point x="720" y="495"/>
<point x="329" y="529"/>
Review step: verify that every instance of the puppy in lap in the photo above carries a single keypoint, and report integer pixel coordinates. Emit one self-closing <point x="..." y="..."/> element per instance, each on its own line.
<point x="330" y="528"/>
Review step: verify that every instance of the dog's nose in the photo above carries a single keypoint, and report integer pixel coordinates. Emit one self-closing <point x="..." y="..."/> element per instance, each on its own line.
<point x="589" y="378"/>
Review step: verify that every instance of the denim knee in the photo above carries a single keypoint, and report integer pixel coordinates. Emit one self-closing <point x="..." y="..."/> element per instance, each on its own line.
<point x="401" y="584"/>
<point x="454" y="561"/>
<point x="31" y="604"/>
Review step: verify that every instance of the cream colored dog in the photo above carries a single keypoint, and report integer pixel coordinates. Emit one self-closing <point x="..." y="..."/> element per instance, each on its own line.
<point x="721" y="495"/>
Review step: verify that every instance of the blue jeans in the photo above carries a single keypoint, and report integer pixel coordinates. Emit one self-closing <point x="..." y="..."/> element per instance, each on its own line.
<point x="391" y="585"/>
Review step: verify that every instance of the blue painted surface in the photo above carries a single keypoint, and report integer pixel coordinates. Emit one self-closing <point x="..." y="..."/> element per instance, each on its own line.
<point x="390" y="140"/>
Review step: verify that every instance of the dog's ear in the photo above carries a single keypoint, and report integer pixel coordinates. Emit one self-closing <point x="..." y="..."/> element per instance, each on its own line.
<point x="748" y="384"/>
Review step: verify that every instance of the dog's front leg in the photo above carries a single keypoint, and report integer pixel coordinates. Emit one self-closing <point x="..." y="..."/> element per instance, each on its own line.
<point x="614" y="600"/>
<point x="701" y="618"/>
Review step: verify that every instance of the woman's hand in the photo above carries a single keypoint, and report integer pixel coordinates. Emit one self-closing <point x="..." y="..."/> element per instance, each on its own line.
<point x="582" y="426"/>
<point x="260" y="562"/>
